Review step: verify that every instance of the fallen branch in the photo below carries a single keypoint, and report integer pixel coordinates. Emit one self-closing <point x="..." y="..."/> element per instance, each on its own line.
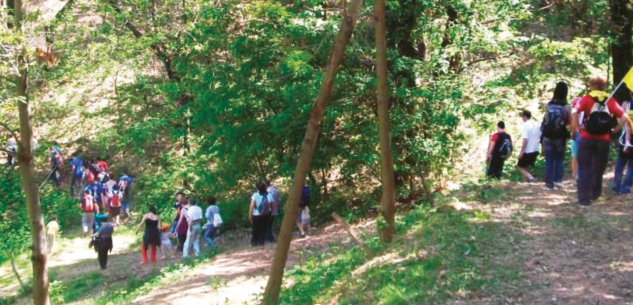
<point x="15" y="271"/>
<point x="352" y="233"/>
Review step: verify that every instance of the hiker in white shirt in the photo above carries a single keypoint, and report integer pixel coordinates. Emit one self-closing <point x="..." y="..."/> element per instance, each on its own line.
<point x="530" y="145"/>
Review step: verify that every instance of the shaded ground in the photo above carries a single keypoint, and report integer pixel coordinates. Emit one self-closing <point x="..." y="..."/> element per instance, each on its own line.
<point x="567" y="254"/>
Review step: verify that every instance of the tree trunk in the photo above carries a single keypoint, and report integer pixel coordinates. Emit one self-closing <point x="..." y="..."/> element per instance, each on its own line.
<point x="621" y="47"/>
<point x="388" y="183"/>
<point x="15" y="271"/>
<point x="27" y="173"/>
<point x="271" y="294"/>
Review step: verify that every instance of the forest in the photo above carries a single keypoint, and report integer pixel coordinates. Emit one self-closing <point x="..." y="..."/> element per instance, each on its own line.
<point x="375" y="115"/>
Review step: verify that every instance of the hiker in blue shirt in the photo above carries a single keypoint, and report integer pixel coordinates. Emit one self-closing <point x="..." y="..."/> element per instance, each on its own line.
<point x="125" y="187"/>
<point x="77" y="167"/>
<point x="56" y="162"/>
<point x="212" y="223"/>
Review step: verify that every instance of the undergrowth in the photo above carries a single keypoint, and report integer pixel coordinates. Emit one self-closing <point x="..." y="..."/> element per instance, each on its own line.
<point x="439" y="254"/>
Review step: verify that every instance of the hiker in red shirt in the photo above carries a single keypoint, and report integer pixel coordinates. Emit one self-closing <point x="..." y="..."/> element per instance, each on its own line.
<point x="89" y="207"/>
<point x="595" y="138"/>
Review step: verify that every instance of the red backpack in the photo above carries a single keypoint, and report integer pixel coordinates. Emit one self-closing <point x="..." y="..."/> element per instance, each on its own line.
<point x="88" y="205"/>
<point x="116" y="199"/>
<point x="91" y="177"/>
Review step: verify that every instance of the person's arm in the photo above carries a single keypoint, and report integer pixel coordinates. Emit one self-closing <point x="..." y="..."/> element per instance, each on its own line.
<point x="138" y="228"/>
<point x="491" y="147"/>
<point x="250" y="210"/>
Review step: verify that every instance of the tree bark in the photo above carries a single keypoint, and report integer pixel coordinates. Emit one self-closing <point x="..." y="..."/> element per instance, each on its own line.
<point x="271" y="294"/>
<point x="622" y="46"/>
<point x="388" y="183"/>
<point x="27" y="173"/>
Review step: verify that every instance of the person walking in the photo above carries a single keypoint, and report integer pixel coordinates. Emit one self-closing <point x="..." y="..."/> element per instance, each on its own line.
<point x="102" y="242"/>
<point x="212" y="224"/>
<point x="575" y="139"/>
<point x="194" y="232"/>
<point x="593" y="151"/>
<point x="555" y="134"/>
<point x="114" y="203"/>
<point x="182" y="226"/>
<point x="52" y="230"/>
<point x="625" y="154"/>
<point x="181" y="202"/>
<point x="152" y="236"/>
<point x="56" y="162"/>
<point x="531" y="136"/>
<point x="89" y="207"/>
<point x="499" y="149"/>
<point x="125" y="187"/>
<point x="259" y="213"/>
<point x="12" y="147"/>
<point x="303" y="216"/>
<point x="77" y="169"/>
<point x="270" y="237"/>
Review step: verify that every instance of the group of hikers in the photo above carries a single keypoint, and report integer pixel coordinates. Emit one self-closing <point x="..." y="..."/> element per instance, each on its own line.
<point x="589" y="121"/>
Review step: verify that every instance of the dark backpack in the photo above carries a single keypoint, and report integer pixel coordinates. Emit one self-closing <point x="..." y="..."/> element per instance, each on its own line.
<point x="600" y="120"/>
<point x="553" y="125"/>
<point x="265" y="207"/>
<point x="503" y="146"/>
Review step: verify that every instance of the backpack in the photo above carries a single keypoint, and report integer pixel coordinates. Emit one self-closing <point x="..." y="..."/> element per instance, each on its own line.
<point x="503" y="146"/>
<point x="90" y="178"/>
<point x="88" y="204"/>
<point x="553" y="126"/>
<point x="79" y="171"/>
<point x="116" y="199"/>
<point x="217" y="220"/>
<point x="264" y="208"/>
<point x="305" y="197"/>
<point x="600" y="120"/>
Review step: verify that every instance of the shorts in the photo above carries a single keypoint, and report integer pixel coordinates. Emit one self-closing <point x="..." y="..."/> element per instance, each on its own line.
<point x="528" y="160"/>
<point x="115" y="211"/>
<point x="574" y="149"/>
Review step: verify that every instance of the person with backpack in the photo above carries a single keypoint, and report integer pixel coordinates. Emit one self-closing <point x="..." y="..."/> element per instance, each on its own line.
<point x="625" y="153"/>
<point x="270" y="237"/>
<point x="499" y="149"/>
<point x="303" y="216"/>
<point x="11" y="146"/>
<point x="182" y="226"/>
<point x="555" y="134"/>
<point x="98" y="193"/>
<point x="531" y="139"/>
<point x="214" y="221"/>
<point x="595" y="135"/>
<point x="56" y="161"/>
<point x="88" y="207"/>
<point x="125" y="187"/>
<point x="259" y="213"/>
<point x="77" y="168"/>
<point x="194" y="231"/>
<point x="114" y="203"/>
<point x="575" y="139"/>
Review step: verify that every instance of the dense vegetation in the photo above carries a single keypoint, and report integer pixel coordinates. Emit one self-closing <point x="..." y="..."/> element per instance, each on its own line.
<point x="209" y="97"/>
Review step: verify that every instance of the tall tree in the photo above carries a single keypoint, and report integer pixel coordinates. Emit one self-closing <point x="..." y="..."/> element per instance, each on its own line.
<point x="382" y="74"/>
<point x="621" y="45"/>
<point x="27" y="171"/>
<point x="350" y="17"/>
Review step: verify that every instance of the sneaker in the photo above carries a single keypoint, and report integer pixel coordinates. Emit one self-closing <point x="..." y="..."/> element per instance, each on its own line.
<point x="532" y="180"/>
<point x="303" y="234"/>
<point x="559" y="185"/>
<point x="547" y="188"/>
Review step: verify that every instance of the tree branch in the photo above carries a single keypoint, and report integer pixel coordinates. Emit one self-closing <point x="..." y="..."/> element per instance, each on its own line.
<point x="8" y="151"/>
<point x="11" y="132"/>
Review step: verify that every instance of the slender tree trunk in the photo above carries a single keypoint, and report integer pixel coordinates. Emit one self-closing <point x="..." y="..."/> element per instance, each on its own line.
<point x="15" y="271"/>
<point x="27" y="173"/>
<point x="388" y="183"/>
<point x="350" y="16"/>
<point x="622" y="46"/>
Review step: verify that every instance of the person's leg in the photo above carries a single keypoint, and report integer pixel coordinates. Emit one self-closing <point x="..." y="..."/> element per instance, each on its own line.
<point x="10" y="160"/>
<point x="619" y="171"/>
<point x="153" y="255"/>
<point x="585" y="166"/>
<point x="550" y="164"/>
<point x="197" y="232"/>
<point x="628" y="179"/>
<point x="524" y="171"/>
<point x="50" y="241"/>
<point x="188" y="244"/>
<point x="269" y="229"/>
<point x="208" y="236"/>
<point x="103" y="258"/>
<point x="559" y="169"/>
<point x="181" y="242"/>
<point x="262" y="223"/>
<point x="574" y="159"/>
<point x="601" y="158"/>
<point x="143" y="253"/>
<point x="85" y="226"/>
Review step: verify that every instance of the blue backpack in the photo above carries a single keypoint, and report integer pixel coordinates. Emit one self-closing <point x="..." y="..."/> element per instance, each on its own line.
<point x="79" y="169"/>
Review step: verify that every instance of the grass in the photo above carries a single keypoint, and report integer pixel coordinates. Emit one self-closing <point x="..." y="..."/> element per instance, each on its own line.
<point x="438" y="255"/>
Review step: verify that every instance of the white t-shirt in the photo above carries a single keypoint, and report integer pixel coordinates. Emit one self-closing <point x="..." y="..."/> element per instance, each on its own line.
<point x="531" y="132"/>
<point x="194" y="213"/>
<point x="258" y="198"/>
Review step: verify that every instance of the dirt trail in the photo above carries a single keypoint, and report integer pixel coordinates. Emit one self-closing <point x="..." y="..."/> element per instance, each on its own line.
<point x="566" y="254"/>
<point x="238" y="276"/>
